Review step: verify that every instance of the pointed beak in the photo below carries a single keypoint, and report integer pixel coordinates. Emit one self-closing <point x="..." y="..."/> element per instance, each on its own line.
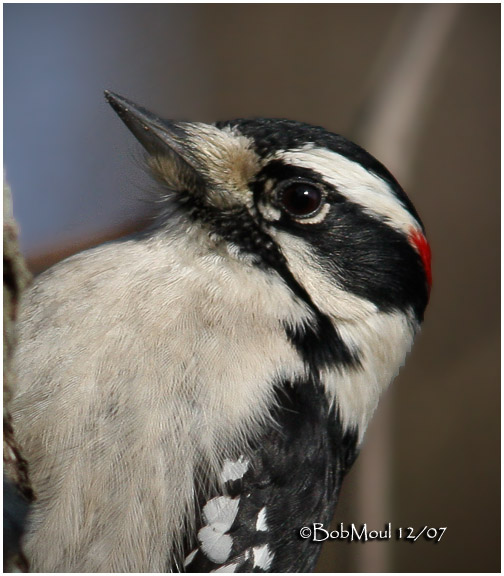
<point x="191" y="157"/>
<point x="159" y="137"/>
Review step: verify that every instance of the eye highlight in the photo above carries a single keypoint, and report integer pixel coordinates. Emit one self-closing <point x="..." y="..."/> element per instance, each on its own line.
<point x="300" y="198"/>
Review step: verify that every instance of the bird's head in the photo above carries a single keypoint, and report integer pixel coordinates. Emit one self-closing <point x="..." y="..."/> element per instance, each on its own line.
<point x="295" y="197"/>
<point x="303" y="203"/>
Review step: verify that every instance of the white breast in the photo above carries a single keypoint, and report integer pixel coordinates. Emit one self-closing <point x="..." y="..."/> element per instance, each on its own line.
<point x="136" y="359"/>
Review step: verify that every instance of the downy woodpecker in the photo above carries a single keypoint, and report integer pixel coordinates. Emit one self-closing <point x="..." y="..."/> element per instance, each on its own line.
<point x="191" y="396"/>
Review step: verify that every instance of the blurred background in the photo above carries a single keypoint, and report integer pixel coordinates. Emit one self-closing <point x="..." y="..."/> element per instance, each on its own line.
<point x="417" y="85"/>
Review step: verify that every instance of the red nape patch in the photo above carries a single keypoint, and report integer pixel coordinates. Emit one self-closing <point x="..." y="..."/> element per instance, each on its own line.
<point x="420" y="242"/>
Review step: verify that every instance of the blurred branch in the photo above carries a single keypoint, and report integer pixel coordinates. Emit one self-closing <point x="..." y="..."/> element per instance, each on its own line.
<point x="17" y="488"/>
<point x="388" y="126"/>
<point x="400" y="87"/>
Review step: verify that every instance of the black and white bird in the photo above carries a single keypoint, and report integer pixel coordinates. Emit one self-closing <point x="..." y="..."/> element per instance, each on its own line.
<point x="192" y="396"/>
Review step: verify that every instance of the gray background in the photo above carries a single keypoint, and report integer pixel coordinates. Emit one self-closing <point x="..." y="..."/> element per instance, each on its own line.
<point x="76" y="179"/>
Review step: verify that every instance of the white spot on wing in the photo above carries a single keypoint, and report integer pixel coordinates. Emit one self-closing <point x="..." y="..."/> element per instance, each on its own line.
<point x="261" y="525"/>
<point x="190" y="557"/>
<point x="219" y="515"/>
<point x="227" y="568"/>
<point x="262" y="557"/>
<point x="234" y="470"/>
<point x="216" y="545"/>
<point x="221" y="512"/>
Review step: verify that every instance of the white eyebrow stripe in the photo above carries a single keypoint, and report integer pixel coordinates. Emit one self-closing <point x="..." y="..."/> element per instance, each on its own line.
<point x="356" y="183"/>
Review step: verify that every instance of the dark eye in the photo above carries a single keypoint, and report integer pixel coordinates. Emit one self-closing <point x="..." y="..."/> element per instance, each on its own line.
<point x="300" y="199"/>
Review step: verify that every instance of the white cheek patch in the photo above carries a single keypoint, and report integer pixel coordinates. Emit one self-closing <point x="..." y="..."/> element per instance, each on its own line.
<point x="383" y="340"/>
<point x="329" y="298"/>
<point x="354" y="182"/>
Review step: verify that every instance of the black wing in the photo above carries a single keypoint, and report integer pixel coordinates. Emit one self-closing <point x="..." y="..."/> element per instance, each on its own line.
<point x="290" y="479"/>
